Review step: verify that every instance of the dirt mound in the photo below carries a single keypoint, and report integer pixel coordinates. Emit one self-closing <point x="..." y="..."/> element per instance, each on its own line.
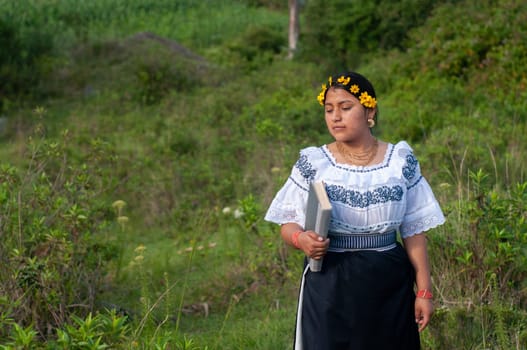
<point x="170" y="44"/>
<point x="142" y="67"/>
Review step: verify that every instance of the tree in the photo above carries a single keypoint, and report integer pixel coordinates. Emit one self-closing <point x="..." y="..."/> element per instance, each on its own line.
<point x="294" y="27"/>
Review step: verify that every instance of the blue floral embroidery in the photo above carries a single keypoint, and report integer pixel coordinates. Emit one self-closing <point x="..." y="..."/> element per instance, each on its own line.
<point x="352" y="198"/>
<point x="305" y="168"/>
<point x="410" y="168"/>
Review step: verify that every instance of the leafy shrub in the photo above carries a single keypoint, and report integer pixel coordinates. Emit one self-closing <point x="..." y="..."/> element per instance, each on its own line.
<point x="101" y="331"/>
<point x="254" y="48"/>
<point x="339" y="33"/>
<point x="502" y="251"/>
<point x="482" y="46"/>
<point x="24" y="51"/>
<point x="156" y="77"/>
<point x="480" y="267"/>
<point x="53" y="260"/>
<point x="493" y="242"/>
<point x="107" y="329"/>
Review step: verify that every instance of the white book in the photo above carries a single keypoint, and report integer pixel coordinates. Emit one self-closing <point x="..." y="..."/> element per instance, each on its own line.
<point x="318" y="213"/>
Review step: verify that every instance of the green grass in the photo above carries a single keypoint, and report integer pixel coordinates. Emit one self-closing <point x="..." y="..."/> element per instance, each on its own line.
<point x="227" y="301"/>
<point x="196" y="24"/>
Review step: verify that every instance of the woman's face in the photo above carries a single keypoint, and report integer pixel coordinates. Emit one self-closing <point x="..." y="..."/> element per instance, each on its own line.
<point x="346" y="118"/>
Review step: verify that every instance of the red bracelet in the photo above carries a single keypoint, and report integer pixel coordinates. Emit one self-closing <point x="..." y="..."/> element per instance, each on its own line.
<point x="425" y="294"/>
<point x="294" y="238"/>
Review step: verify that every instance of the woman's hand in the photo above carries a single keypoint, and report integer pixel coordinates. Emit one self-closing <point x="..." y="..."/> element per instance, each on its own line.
<point x="424" y="308"/>
<point x="313" y="245"/>
<point x="417" y="253"/>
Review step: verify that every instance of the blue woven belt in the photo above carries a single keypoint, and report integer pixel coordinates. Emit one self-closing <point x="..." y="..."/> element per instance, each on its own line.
<point x="361" y="241"/>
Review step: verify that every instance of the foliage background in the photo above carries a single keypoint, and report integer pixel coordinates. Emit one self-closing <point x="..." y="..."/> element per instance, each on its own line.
<point x="143" y="140"/>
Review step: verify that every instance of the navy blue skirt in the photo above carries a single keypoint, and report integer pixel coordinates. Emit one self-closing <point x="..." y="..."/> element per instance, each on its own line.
<point x="360" y="300"/>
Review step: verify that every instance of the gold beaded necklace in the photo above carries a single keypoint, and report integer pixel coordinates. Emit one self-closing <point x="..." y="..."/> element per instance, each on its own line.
<point x="360" y="159"/>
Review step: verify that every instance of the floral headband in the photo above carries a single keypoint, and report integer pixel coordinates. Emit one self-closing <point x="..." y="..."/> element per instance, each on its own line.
<point x="355" y="84"/>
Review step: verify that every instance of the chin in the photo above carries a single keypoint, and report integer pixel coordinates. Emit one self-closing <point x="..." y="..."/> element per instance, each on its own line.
<point x="342" y="138"/>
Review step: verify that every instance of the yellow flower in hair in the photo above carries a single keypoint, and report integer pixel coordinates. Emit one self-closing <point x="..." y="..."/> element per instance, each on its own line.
<point x="330" y="80"/>
<point x="343" y="80"/>
<point x="322" y="94"/>
<point x="354" y="89"/>
<point x="371" y="103"/>
<point x="364" y="97"/>
<point x="320" y="98"/>
<point x="367" y="101"/>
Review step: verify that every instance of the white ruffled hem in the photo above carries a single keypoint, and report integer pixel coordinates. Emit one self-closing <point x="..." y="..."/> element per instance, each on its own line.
<point x="412" y="228"/>
<point x="284" y="216"/>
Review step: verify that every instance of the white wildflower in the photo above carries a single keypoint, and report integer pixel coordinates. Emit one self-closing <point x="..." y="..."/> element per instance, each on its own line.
<point x="238" y="213"/>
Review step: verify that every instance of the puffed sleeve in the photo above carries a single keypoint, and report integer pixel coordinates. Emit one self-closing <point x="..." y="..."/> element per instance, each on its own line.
<point x="422" y="209"/>
<point x="289" y="204"/>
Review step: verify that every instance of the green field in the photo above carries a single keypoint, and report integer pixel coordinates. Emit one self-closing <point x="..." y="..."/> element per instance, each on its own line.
<point x="142" y="141"/>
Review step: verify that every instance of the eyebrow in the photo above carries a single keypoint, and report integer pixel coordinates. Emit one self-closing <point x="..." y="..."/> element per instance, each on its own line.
<point x="340" y="102"/>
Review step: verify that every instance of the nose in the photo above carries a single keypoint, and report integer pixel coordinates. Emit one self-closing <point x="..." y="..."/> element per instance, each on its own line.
<point x="336" y="115"/>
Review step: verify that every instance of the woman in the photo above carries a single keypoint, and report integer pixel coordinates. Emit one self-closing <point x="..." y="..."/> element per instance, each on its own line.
<point x="363" y="298"/>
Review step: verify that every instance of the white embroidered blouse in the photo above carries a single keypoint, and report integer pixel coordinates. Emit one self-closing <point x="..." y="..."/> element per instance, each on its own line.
<point x="392" y="195"/>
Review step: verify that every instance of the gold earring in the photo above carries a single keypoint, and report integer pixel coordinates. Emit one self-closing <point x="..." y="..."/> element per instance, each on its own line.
<point x="371" y="123"/>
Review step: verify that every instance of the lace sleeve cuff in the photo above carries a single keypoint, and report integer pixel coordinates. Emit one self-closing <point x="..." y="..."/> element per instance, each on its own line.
<point x="288" y="205"/>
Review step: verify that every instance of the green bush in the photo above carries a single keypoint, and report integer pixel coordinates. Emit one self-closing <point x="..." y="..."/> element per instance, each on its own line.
<point x="480" y="267"/>
<point x="163" y="70"/>
<point x="340" y="33"/>
<point x="52" y="221"/>
<point x="490" y="41"/>
<point x="254" y="48"/>
<point x="24" y="53"/>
